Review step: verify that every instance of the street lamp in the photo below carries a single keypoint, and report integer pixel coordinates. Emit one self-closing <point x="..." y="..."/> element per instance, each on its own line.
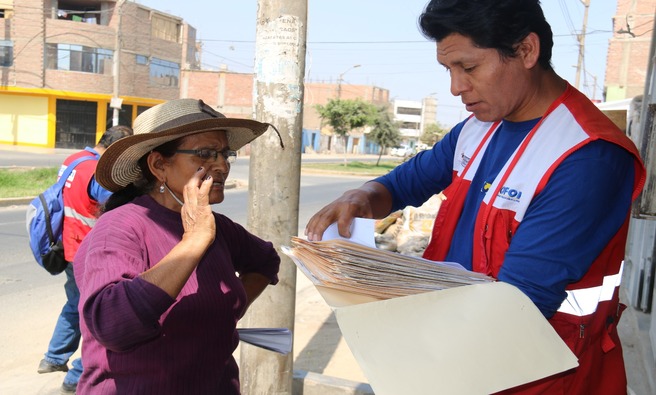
<point x="340" y="79"/>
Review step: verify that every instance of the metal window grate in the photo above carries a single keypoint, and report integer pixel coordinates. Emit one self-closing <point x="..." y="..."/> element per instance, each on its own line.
<point x="76" y="124"/>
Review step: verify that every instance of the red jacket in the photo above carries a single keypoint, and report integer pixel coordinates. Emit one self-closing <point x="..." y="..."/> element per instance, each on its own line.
<point x="587" y="319"/>
<point x="80" y="210"/>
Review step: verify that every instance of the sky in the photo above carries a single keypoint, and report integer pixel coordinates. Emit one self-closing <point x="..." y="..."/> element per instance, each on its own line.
<point x="383" y="38"/>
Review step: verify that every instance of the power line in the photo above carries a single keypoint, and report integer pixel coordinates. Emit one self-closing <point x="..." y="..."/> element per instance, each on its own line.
<point x="568" y="20"/>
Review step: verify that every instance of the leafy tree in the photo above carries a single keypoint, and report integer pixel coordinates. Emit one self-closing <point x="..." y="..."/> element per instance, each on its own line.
<point x="346" y="115"/>
<point x="385" y="132"/>
<point x="433" y="133"/>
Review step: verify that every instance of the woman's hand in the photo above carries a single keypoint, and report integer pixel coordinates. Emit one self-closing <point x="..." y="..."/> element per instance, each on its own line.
<point x="173" y="271"/>
<point x="197" y="217"/>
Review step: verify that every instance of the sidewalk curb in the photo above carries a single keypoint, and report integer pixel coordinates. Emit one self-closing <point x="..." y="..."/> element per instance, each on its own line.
<point x="22" y="201"/>
<point x="310" y="383"/>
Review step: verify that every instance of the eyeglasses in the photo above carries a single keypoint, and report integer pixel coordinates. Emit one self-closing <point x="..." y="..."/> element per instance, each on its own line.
<point x="208" y="154"/>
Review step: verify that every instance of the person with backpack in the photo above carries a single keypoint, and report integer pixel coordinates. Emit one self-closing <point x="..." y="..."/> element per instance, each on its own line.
<point x="82" y="197"/>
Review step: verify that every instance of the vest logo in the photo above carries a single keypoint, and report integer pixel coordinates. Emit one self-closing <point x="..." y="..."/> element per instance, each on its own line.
<point x="510" y="194"/>
<point x="70" y="179"/>
<point x="464" y="159"/>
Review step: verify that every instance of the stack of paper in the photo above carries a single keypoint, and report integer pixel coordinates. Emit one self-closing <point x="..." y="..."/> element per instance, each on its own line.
<point x="358" y="269"/>
<point x="428" y="336"/>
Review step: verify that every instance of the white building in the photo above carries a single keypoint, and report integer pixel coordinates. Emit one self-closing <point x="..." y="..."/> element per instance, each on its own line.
<point x="414" y="116"/>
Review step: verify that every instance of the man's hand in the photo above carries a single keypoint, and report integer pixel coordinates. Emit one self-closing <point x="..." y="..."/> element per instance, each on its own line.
<point x="371" y="200"/>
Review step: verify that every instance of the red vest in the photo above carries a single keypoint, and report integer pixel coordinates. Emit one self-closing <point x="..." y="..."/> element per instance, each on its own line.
<point x="587" y="319"/>
<point x="80" y="211"/>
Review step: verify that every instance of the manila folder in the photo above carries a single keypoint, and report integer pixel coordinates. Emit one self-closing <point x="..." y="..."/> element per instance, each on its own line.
<point x="473" y="339"/>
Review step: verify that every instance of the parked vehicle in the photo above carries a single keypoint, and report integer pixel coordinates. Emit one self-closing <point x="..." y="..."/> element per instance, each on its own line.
<point x="402" y="151"/>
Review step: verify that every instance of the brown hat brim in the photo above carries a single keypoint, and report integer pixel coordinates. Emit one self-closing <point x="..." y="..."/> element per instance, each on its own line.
<point x="118" y="165"/>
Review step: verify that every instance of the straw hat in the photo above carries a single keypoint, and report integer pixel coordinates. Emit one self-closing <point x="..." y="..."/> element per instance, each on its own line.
<point x="165" y="122"/>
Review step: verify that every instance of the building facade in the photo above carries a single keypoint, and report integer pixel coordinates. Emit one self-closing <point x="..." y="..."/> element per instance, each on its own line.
<point x="232" y="94"/>
<point x="318" y="137"/>
<point x="414" y="116"/>
<point x="70" y="69"/>
<point x="63" y="62"/>
<point x="628" y="50"/>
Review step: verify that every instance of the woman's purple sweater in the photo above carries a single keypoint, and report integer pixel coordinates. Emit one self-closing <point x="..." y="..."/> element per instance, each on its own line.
<point x="136" y="338"/>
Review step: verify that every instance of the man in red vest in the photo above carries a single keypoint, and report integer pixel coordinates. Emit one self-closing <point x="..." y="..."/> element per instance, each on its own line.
<point x="82" y="198"/>
<point x="538" y="184"/>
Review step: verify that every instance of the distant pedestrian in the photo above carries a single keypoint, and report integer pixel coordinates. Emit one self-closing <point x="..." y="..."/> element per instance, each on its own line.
<point x="82" y="197"/>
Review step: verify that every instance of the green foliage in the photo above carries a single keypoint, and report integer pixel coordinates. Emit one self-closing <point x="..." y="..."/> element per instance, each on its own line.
<point x="385" y="131"/>
<point x="26" y="182"/>
<point x="433" y="133"/>
<point x="346" y="115"/>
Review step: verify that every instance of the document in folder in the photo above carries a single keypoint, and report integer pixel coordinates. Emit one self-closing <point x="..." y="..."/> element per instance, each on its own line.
<point x="422" y="327"/>
<point x="475" y="339"/>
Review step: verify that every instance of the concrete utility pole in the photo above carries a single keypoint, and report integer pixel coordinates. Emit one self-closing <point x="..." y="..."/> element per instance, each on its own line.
<point x="274" y="180"/>
<point x="116" y="66"/>
<point x="579" y="64"/>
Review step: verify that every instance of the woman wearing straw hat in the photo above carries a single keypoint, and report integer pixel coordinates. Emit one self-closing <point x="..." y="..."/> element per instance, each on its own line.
<point x="163" y="280"/>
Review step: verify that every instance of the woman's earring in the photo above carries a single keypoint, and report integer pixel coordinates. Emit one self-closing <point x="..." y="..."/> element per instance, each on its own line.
<point x="161" y="188"/>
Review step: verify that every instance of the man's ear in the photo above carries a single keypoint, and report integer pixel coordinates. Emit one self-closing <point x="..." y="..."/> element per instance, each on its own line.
<point x="157" y="165"/>
<point x="528" y="50"/>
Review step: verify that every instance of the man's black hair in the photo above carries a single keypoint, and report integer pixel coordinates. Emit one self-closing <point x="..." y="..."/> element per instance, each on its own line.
<point x="496" y="24"/>
<point x="113" y="134"/>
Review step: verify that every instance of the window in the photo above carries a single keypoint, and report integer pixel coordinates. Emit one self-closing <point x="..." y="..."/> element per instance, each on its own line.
<point x="165" y="28"/>
<point x="6" y="9"/>
<point x="124" y="115"/>
<point x="6" y="53"/>
<point x="410" y="125"/>
<point x="75" y="123"/>
<point x="140" y="59"/>
<point x="141" y="109"/>
<point x="164" y="73"/>
<point x="76" y="11"/>
<point x="73" y="57"/>
<point x="408" y="111"/>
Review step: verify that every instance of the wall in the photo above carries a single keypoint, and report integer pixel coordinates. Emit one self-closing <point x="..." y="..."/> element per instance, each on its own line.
<point x="626" y="64"/>
<point x="230" y="93"/>
<point x="26" y="30"/>
<point x="136" y="39"/>
<point x="24" y="119"/>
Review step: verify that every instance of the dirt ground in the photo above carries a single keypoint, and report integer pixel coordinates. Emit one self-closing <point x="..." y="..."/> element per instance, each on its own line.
<point x="28" y="317"/>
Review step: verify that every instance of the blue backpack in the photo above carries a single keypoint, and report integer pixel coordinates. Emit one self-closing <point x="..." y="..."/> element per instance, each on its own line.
<point x="45" y="222"/>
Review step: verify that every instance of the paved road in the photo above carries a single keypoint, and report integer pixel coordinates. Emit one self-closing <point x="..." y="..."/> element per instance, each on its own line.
<point x="19" y="156"/>
<point x="30" y="300"/>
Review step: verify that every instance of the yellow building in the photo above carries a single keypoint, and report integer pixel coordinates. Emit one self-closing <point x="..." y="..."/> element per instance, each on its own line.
<point x="66" y="65"/>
